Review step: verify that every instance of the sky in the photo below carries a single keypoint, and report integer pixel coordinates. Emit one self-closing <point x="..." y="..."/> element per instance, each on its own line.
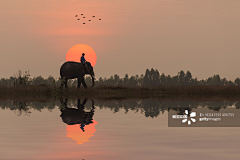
<point x="201" y="36"/>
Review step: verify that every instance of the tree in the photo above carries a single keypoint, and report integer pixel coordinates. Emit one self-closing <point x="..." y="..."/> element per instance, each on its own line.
<point x="50" y="80"/>
<point x="141" y="80"/>
<point x="188" y="78"/>
<point x="224" y="81"/>
<point x="216" y="80"/>
<point x="39" y="80"/>
<point x="230" y="83"/>
<point x="125" y="80"/>
<point x="237" y="81"/>
<point x="146" y="79"/>
<point x="181" y="78"/>
<point x="151" y="78"/>
<point x="155" y="77"/>
<point x="21" y="78"/>
<point x="100" y="81"/>
<point x="132" y="82"/>
<point x="163" y="79"/>
<point x="169" y="80"/>
<point x="116" y="79"/>
<point x="4" y="81"/>
<point x="174" y="80"/>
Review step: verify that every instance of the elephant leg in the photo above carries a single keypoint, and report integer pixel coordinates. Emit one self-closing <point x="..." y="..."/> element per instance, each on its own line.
<point x="66" y="84"/>
<point x="79" y="82"/>
<point x="84" y="83"/>
<point x="84" y="101"/>
<point x="61" y="85"/>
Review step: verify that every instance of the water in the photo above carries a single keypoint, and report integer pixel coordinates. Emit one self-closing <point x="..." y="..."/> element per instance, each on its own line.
<point x="120" y="130"/>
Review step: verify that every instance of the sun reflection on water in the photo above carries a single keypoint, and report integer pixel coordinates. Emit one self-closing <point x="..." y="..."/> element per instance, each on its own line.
<point x="76" y="133"/>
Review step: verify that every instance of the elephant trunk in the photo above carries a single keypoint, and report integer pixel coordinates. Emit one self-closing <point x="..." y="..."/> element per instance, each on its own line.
<point x="93" y="78"/>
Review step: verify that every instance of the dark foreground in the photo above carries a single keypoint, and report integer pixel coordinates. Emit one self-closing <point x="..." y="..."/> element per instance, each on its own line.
<point x="118" y="92"/>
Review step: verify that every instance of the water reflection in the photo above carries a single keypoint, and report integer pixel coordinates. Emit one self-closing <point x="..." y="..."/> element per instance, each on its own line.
<point x="153" y="108"/>
<point x="80" y="124"/>
<point x="142" y="135"/>
<point x="148" y="107"/>
<point x="72" y="116"/>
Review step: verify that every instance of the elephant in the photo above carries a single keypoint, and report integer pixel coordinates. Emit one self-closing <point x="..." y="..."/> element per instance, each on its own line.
<point x="72" y="116"/>
<point x="71" y="70"/>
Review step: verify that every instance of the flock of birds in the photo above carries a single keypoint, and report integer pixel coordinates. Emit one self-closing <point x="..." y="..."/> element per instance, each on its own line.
<point x="85" y="17"/>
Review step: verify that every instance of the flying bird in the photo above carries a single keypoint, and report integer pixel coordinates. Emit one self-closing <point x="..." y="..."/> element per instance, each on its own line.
<point x="85" y="17"/>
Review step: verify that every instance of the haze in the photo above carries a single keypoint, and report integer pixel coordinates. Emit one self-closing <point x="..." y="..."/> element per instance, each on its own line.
<point x="169" y="35"/>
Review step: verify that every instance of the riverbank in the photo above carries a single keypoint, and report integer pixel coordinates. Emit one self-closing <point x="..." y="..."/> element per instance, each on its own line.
<point x="119" y="92"/>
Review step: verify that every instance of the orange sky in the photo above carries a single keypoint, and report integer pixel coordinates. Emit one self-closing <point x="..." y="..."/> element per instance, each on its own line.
<point x="168" y="35"/>
<point x="75" y="52"/>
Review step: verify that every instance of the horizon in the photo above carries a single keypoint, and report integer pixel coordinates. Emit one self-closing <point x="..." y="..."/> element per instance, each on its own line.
<point x="97" y="78"/>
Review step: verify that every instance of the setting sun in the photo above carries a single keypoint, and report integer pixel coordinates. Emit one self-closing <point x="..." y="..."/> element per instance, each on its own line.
<point x="75" y="53"/>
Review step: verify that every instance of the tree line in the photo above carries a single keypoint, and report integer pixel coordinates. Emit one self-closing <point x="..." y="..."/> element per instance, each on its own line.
<point x="151" y="78"/>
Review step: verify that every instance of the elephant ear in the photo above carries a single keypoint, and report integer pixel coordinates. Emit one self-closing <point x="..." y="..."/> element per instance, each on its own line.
<point x="89" y="64"/>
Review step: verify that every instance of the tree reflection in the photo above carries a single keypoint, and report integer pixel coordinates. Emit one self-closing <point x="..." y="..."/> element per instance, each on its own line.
<point x="73" y="111"/>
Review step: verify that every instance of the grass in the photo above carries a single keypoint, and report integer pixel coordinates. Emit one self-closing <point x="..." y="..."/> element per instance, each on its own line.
<point x="43" y="93"/>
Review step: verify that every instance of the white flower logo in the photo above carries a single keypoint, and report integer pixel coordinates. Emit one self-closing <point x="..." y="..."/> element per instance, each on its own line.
<point x="193" y="114"/>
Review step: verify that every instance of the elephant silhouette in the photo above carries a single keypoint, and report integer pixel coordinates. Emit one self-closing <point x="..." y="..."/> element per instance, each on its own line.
<point x="72" y="70"/>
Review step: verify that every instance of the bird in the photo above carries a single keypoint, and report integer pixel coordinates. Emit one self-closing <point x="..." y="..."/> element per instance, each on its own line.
<point x="85" y="17"/>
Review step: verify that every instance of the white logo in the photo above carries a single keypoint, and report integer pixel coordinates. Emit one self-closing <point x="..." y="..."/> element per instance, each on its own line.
<point x="193" y="114"/>
<point x="186" y="117"/>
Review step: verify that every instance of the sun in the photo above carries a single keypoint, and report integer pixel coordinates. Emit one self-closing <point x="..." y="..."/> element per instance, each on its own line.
<point x="75" y="53"/>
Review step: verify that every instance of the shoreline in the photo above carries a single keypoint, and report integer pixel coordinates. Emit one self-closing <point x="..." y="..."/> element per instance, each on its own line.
<point x="204" y="93"/>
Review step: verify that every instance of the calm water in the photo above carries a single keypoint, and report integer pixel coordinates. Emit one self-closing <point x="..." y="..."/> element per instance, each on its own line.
<point x="111" y="130"/>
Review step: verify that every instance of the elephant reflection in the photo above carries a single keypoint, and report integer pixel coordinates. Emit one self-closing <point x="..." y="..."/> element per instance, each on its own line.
<point x="72" y="116"/>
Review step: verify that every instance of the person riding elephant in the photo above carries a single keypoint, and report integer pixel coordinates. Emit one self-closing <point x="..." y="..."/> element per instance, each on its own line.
<point x="83" y="60"/>
<point x="71" y="70"/>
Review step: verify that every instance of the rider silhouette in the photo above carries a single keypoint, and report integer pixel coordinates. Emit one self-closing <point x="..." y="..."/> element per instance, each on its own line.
<point x="83" y="61"/>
